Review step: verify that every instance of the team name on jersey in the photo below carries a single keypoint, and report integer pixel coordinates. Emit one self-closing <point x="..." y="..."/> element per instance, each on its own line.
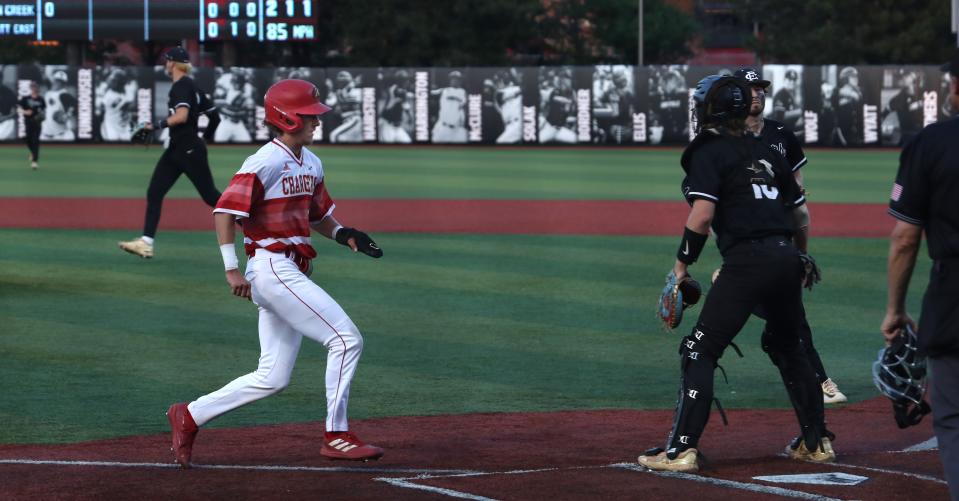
<point x="298" y="185"/>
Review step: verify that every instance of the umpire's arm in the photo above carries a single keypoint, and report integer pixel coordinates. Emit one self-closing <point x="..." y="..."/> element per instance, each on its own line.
<point x="903" y="249"/>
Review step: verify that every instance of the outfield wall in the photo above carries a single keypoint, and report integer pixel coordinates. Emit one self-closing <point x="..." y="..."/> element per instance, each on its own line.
<point x="841" y="106"/>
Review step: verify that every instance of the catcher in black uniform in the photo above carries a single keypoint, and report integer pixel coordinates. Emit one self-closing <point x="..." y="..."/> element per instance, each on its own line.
<point x="779" y="138"/>
<point x="747" y="194"/>
<point x="186" y="153"/>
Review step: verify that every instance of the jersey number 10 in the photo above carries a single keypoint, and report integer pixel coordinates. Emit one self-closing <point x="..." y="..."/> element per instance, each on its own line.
<point x="761" y="191"/>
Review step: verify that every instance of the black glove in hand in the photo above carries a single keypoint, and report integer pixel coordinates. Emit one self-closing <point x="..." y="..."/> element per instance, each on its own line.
<point x="364" y="243"/>
<point x="142" y="134"/>
<point x="810" y="271"/>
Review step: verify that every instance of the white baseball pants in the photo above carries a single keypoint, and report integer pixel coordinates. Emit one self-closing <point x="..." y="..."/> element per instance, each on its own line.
<point x="291" y="306"/>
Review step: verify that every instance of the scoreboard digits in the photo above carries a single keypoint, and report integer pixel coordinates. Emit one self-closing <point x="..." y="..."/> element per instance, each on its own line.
<point x="206" y="20"/>
<point x="269" y="20"/>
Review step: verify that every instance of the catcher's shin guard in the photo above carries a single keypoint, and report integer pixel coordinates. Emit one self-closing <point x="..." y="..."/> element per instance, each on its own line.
<point x="695" y="395"/>
<point x="802" y="386"/>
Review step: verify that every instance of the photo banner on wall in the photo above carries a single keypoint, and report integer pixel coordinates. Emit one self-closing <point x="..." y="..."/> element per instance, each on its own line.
<point x="785" y="96"/>
<point x="122" y="98"/>
<point x="58" y="89"/>
<point x="615" y="116"/>
<point x="351" y="92"/>
<point x="8" y="102"/>
<point x="455" y="113"/>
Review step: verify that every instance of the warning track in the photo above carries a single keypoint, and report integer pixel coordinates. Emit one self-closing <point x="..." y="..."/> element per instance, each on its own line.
<point x="561" y="217"/>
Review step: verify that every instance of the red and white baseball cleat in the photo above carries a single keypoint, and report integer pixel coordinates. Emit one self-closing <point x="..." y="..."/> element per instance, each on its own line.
<point x="346" y="445"/>
<point x="184" y="431"/>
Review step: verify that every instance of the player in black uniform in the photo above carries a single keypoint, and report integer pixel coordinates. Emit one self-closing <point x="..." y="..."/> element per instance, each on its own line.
<point x="778" y="137"/>
<point x="924" y="199"/>
<point x="186" y="153"/>
<point x="747" y="194"/>
<point x="33" y="107"/>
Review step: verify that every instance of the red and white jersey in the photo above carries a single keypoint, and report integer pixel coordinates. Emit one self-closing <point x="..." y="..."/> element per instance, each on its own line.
<point x="279" y="195"/>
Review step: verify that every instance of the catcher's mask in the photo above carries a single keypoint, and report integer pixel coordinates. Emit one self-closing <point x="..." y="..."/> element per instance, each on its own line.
<point x="721" y="101"/>
<point x="900" y="374"/>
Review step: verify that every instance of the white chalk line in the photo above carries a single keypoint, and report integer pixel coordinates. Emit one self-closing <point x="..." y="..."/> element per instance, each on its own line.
<point x="746" y="486"/>
<point x="425" y="473"/>
<point x="326" y="469"/>
<point x="892" y="472"/>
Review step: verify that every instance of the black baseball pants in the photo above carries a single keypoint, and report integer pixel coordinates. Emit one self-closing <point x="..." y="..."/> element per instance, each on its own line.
<point x="189" y="159"/>
<point x="760" y="272"/>
<point x="33" y="138"/>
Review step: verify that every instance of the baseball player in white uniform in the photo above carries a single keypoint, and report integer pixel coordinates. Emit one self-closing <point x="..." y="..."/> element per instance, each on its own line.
<point x="510" y="105"/>
<point x="279" y="194"/>
<point x="450" y="126"/>
<point x="347" y="101"/>
<point x="58" y="124"/>
<point x="234" y="99"/>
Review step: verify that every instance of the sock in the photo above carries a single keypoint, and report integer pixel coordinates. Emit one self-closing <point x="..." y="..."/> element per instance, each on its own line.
<point x="147" y="239"/>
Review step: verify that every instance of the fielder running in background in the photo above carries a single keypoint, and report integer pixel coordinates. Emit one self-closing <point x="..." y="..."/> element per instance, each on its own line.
<point x="186" y="153"/>
<point x="924" y="199"/>
<point x="779" y="138"/>
<point x="33" y="108"/>
<point x="280" y="193"/>
<point x="450" y="126"/>
<point x="747" y="194"/>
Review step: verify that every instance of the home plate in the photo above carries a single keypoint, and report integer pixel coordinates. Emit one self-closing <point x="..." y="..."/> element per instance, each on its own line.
<point x="835" y="478"/>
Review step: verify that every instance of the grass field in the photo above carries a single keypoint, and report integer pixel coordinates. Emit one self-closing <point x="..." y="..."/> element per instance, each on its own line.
<point x="853" y="176"/>
<point x="97" y="343"/>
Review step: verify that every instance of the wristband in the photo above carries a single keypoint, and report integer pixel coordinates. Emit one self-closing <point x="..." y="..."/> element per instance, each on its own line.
<point x="161" y="124"/>
<point x="333" y="234"/>
<point x="230" y="262"/>
<point x="691" y="246"/>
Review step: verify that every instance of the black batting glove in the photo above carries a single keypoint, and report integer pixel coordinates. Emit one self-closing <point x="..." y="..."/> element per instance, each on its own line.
<point x="364" y="243"/>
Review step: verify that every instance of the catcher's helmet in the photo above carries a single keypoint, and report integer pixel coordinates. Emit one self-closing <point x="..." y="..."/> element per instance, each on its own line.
<point x="720" y="100"/>
<point x="900" y="374"/>
<point x="287" y="101"/>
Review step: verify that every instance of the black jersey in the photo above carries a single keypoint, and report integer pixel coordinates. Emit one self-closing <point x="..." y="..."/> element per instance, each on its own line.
<point x="184" y="92"/>
<point x="782" y="140"/>
<point x="35" y="104"/>
<point x="927" y="187"/>
<point x="751" y="185"/>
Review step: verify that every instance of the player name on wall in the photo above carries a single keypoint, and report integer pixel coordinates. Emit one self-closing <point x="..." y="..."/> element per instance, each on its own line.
<point x="841" y="106"/>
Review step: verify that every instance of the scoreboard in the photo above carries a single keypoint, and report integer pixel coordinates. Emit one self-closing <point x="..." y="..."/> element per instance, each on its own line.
<point x="205" y="20"/>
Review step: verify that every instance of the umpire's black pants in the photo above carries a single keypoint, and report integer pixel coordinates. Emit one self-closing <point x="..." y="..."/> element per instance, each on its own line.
<point x="939" y="335"/>
<point x="33" y="138"/>
<point x="190" y="158"/>
<point x="760" y="272"/>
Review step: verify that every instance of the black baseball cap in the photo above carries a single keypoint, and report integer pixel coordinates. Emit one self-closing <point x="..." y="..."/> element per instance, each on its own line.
<point x="953" y="65"/>
<point x="752" y="77"/>
<point x="177" y="54"/>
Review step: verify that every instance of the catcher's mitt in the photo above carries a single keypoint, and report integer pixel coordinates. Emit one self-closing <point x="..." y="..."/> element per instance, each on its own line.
<point x="676" y="297"/>
<point x="810" y="271"/>
<point x="142" y="134"/>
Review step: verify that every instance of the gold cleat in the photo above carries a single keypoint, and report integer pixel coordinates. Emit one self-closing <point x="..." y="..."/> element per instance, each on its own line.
<point x="823" y="454"/>
<point x="831" y="393"/>
<point x="686" y="461"/>
<point x="137" y="246"/>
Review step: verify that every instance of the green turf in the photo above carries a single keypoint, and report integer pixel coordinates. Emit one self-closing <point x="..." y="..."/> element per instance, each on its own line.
<point x="96" y="343"/>
<point x="854" y="176"/>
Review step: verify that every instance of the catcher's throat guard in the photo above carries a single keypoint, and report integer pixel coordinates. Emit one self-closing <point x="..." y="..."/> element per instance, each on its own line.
<point x="900" y="374"/>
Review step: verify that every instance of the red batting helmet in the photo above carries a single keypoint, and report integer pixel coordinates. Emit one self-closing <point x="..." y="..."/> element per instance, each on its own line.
<point x="287" y="101"/>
